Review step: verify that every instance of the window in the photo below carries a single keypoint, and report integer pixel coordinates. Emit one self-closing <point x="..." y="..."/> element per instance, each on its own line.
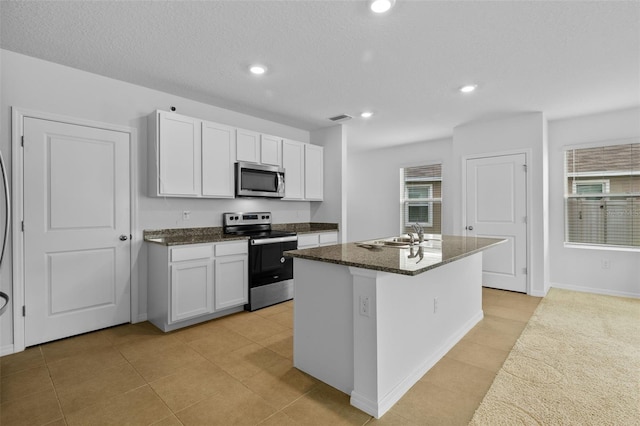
<point x="602" y="195"/>
<point x="421" y="198"/>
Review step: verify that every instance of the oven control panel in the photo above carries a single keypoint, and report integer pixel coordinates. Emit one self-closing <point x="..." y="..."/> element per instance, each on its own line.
<point x="255" y="218"/>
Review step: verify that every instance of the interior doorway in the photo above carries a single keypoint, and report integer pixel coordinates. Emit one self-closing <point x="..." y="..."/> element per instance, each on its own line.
<point x="496" y="206"/>
<point x="73" y="184"/>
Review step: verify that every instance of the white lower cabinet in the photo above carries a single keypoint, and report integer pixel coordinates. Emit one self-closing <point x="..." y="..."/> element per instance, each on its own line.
<point x="194" y="283"/>
<point x="191" y="289"/>
<point x="231" y="281"/>
<point x="306" y="241"/>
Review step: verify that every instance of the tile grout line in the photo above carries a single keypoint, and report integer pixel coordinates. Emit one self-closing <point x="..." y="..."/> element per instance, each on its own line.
<point x="55" y="389"/>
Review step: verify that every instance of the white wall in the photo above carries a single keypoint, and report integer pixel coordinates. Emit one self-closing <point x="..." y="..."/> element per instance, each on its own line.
<point x="522" y="133"/>
<point x="333" y="207"/>
<point x="576" y="268"/>
<point x="373" y="203"/>
<point x="43" y="86"/>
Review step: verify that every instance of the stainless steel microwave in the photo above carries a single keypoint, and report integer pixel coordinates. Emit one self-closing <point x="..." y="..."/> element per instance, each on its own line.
<point x="258" y="180"/>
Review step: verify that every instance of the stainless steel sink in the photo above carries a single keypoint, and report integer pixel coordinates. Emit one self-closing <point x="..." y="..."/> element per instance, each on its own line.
<point x="405" y="240"/>
<point x="399" y="244"/>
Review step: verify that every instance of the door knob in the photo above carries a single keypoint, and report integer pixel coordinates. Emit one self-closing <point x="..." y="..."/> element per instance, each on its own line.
<point x="123" y="237"/>
<point x="470" y="228"/>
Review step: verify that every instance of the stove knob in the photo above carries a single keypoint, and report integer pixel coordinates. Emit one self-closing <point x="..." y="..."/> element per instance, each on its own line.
<point x="236" y="218"/>
<point x="267" y="217"/>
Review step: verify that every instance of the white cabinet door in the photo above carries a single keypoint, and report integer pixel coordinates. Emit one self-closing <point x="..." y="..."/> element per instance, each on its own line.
<point x="306" y="241"/>
<point x="218" y="143"/>
<point x="232" y="281"/>
<point x="178" y="155"/>
<point x="313" y="172"/>
<point x="248" y="146"/>
<point x="191" y="289"/>
<point x="328" y="238"/>
<point x="271" y="150"/>
<point x="293" y="164"/>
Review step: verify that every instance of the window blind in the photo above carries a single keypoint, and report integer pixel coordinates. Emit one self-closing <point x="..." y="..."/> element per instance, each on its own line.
<point x="421" y="198"/>
<point x="602" y="195"/>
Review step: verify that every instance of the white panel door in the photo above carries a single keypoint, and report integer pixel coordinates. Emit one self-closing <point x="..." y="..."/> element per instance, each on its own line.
<point x="76" y="229"/>
<point x="496" y="194"/>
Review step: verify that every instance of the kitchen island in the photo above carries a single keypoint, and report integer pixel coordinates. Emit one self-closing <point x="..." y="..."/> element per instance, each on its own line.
<point x="370" y="319"/>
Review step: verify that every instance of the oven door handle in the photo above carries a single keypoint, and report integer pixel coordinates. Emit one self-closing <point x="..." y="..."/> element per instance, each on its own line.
<point x="262" y="241"/>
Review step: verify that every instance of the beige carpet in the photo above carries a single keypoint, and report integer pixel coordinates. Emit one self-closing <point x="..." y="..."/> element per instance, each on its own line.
<point x="577" y="362"/>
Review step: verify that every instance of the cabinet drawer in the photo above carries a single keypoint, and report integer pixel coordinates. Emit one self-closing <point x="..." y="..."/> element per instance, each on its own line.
<point x="226" y="249"/>
<point x="329" y="238"/>
<point x="308" y="240"/>
<point x="179" y="254"/>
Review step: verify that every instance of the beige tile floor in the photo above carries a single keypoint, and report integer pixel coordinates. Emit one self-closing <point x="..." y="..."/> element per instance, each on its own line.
<point x="236" y="370"/>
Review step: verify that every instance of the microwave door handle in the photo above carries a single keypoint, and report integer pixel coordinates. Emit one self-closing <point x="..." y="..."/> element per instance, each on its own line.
<point x="280" y="182"/>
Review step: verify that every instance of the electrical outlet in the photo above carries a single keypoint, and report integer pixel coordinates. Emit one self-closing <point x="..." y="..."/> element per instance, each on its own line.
<point x="435" y="305"/>
<point x="186" y="215"/>
<point x="365" y="307"/>
<point x="605" y="264"/>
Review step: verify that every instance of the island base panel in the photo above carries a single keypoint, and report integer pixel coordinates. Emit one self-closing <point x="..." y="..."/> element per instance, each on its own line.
<point x="375" y="352"/>
<point x="323" y="323"/>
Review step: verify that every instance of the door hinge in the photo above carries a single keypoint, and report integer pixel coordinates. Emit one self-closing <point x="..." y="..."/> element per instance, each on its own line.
<point x="22" y="141"/>
<point x="524" y="167"/>
<point x="24" y="311"/>
<point x="524" y="271"/>
<point x="22" y="225"/>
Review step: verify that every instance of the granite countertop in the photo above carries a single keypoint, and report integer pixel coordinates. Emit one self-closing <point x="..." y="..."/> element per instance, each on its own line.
<point x="307" y="227"/>
<point x="182" y="236"/>
<point x="405" y="261"/>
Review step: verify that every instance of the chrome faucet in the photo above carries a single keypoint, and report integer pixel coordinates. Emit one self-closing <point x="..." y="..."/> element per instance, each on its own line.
<point x="419" y="230"/>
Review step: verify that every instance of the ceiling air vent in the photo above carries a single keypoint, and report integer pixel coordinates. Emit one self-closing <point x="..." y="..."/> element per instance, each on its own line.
<point x="341" y="117"/>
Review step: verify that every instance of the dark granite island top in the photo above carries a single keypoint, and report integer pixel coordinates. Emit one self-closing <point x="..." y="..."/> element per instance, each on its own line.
<point x="407" y="261"/>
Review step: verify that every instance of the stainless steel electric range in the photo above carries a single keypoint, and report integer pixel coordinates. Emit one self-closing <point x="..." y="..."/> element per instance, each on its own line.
<point x="270" y="272"/>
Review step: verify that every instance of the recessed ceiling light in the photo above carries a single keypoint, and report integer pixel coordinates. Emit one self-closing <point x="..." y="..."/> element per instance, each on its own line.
<point x="468" y="88"/>
<point x="257" y="69"/>
<point x="366" y="114"/>
<point x="381" y="6"/>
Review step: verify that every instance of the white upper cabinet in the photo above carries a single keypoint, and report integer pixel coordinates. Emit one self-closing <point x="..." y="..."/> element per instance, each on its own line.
<point x="271" y="150"/>
<point x="248" y="146"/>
<point x="303" y="171"/>
<point x="194" y="158"/>
<point x="174" y="163"/>
<point x="293" y="164"/>
<point x="313" y="172"/>
<point x="218" y="154"/>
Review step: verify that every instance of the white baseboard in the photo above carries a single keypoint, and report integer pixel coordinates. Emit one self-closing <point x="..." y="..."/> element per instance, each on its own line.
<point x="6" y="350"/>
<point x="377" y="409"/>
<point x="538" y="293"/>
<point x="603" y="291"/>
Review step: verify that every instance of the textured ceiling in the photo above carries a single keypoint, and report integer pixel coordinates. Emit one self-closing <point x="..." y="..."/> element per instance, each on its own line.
<point x="564" y="58"/>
